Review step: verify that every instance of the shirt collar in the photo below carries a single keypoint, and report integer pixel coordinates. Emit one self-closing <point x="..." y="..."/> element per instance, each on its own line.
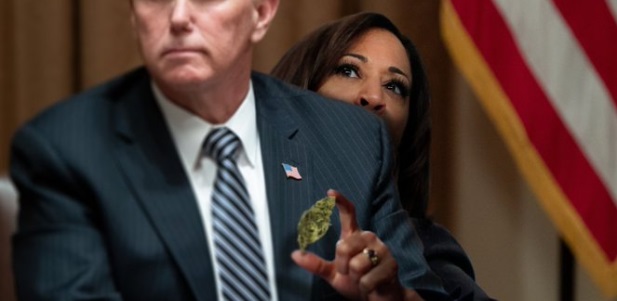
<point x="189" y="131"/>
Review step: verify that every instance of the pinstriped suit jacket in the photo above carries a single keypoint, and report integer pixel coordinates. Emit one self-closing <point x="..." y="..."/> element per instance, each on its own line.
<point x="107" y="211"/>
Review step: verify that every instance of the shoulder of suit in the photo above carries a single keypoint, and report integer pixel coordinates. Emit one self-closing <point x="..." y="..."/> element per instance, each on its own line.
<point x="286" y="95"/>
<point x="91" y="103"/>
<point x="302" y="101"/>
<point x="269" y="86"/>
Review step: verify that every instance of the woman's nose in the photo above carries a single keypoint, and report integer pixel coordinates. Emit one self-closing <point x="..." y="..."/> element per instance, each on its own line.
<point x="371" y="98"/>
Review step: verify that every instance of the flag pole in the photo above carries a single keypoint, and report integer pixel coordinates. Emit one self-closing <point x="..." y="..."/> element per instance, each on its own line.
<point x="567" y="272"/>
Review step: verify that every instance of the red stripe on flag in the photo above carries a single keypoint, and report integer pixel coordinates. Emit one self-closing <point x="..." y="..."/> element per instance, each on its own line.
<point x="546" y="131"/>
<point x="585" y="18"/>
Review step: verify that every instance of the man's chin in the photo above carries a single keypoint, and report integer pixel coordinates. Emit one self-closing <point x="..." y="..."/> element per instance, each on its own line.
<point x="183" y="79"/>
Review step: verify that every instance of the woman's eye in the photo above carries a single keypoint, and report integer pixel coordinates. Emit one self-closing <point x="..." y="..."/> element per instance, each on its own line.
<point x="397" y="88"/>
<point x="347" y="70"/>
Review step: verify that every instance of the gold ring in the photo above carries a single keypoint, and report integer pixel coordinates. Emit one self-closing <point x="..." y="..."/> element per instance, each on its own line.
<point x="372" y="256"/>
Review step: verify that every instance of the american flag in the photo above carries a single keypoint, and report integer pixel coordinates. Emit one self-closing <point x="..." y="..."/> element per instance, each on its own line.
<point x="292" y="172"/>
<point x="546" y="73"/>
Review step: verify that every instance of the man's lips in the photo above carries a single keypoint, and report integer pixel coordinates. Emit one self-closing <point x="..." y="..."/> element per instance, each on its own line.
<point x="181" y="51"/>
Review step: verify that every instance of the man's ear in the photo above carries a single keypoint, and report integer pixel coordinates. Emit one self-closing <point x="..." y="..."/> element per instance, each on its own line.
<point x="133" y="25"/>
<point x="265" y="10"/>
<point x="132" y="18"/>
<point x="132" y="12"/>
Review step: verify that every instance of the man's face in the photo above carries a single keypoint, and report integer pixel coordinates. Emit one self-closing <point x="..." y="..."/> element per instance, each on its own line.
<point x="185" y="43"/>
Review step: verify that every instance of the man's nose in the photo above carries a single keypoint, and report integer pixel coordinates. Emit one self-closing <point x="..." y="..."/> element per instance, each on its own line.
<point x="181" y="16"/>
<point x="371" y="98"/>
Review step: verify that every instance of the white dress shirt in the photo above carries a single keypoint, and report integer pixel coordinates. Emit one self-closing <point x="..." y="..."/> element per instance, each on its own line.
<point x="189" y="132"/>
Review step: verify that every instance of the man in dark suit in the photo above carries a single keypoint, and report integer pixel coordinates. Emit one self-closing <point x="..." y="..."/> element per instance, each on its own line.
<point x="122" y="199"/>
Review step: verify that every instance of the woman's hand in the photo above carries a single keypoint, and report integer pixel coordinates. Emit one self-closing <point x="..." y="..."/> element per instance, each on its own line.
<point x="364" y="268"/>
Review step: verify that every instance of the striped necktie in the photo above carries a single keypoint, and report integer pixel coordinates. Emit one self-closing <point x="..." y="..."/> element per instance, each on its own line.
<point x="240" y="257"/>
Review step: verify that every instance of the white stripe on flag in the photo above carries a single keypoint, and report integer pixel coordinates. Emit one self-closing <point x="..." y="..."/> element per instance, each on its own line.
<point x="569" y="79"/>
<point x="612" y="5"/>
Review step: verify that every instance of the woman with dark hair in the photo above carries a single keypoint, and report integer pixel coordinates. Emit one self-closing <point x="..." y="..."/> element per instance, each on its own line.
<point x="364" y="60"/>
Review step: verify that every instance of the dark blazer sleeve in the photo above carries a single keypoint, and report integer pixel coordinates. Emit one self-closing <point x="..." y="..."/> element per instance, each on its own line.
<point x="58" y="254"/>
<point x="393" y="226"/>
<point x="448" y="260"/>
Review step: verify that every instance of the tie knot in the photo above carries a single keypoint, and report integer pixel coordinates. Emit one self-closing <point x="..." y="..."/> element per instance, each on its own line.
<point x="221" y="144"/>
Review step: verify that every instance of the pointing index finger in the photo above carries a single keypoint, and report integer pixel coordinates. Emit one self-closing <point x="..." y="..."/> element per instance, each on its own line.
<point x="347" y="211"/>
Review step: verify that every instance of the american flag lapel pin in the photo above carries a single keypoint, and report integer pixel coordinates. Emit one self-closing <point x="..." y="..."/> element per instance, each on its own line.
<point x="291" y="172"/>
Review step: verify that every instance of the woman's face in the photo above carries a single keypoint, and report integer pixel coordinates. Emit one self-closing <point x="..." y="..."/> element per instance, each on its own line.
<point x="374" y="73"/>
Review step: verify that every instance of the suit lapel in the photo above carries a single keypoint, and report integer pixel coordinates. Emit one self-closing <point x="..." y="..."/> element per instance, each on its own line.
<point x="287" y="198"/>
<point x="151" y="164"/>
<point x="146" y="154"/>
